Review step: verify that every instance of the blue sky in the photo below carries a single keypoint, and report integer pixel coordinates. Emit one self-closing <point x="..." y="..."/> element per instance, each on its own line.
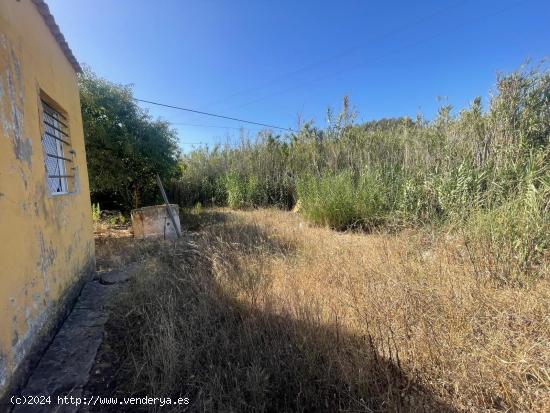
<point x="269" y="61"/>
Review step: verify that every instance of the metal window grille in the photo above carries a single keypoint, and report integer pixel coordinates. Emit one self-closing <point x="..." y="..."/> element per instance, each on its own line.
<point x="56" y="146"/>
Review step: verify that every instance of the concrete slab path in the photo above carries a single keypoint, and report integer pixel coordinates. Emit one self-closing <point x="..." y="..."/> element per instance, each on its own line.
<point x="64" y="368"/>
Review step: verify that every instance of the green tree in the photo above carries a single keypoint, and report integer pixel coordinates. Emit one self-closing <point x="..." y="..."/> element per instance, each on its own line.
<point x="125" y="147"/>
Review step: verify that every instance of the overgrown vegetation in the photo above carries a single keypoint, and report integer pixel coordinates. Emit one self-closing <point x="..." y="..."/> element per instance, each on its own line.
<point x="96" y="212"/>
<point x="258" y="312"/>
<point x="486" y="171"/>
<point x="125" y="147"/>
<point x="439" y="303"/>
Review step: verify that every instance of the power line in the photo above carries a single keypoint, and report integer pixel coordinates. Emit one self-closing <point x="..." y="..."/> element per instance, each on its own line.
<point x="211" y="126"/>
<point x="214" y="115"/>
<point x="328" y="75"/>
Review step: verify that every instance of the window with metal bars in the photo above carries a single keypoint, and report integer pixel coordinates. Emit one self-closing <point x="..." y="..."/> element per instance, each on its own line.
<point x="57" y="150"/>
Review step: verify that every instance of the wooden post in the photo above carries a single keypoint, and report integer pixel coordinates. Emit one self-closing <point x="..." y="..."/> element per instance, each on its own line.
<point x="168" y="208"/>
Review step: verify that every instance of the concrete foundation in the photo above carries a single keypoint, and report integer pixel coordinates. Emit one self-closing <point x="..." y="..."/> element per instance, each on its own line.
<point x="154" y="221"/>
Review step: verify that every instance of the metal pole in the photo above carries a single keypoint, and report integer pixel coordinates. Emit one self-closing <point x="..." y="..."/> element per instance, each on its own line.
<point x="168" y="208"/>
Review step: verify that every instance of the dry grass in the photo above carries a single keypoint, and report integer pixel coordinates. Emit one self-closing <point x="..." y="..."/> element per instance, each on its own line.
<point x="260" y="312"/>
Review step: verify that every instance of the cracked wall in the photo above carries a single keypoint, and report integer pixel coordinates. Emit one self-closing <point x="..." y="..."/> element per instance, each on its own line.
<point x="46" y="242"/>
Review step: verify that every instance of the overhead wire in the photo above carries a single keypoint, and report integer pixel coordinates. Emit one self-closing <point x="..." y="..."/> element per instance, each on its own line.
<point x="200" y="112"/>
<point x="317" y="79"/>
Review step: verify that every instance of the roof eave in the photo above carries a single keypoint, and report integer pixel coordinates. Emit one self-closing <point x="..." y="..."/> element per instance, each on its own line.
<point x="44" y="11"/>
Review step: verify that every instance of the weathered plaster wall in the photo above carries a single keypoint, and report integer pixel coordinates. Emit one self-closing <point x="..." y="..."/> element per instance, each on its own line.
<point x="46" y="243"/>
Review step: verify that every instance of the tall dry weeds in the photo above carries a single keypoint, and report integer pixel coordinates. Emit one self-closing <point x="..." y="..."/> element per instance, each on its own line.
<point x="260" y="312"/>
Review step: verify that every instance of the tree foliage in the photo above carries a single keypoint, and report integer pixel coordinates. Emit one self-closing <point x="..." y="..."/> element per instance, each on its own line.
<point x="125" y="147"/>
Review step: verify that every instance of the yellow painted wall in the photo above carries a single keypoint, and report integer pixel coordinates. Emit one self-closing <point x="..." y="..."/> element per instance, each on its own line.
<point x="46" y="242"/>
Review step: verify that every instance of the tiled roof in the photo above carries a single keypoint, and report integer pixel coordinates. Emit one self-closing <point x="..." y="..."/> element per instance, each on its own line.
<point x="44" y="11"/>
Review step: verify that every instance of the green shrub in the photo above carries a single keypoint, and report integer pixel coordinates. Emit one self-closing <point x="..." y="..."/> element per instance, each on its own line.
<point x="197" y="208"/>
<point x="340" y="201"/>
<point x="96" y="212"/>
<point x="468" y="170"/>
<point x="117" y="219"/>
<point x="459" y="191"/>
<point x="329" y="200"/>
<point x="373" y="198"/>
<point x="236" y="191"/>
<point x="418" y="202"/>
<point x="513" y="240"/>
<point x="254" y="192"/>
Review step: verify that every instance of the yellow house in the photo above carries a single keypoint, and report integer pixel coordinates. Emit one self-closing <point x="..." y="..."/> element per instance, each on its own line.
<point x="46" y="240"/>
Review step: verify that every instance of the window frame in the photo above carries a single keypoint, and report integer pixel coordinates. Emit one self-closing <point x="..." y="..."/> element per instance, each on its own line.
<point x="54" y="130"/>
